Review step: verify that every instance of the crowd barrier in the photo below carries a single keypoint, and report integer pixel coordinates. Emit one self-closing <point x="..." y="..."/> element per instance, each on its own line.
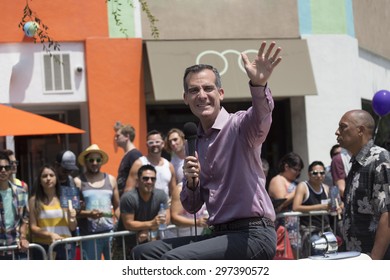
<point x="32" y="246"/>
<point x="76" y="242"/>
<point x="285" y="215"/>
<point x="77" y="245"/>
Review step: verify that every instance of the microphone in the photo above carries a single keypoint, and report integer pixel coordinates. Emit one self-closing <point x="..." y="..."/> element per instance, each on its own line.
<point x="190" y="134"/>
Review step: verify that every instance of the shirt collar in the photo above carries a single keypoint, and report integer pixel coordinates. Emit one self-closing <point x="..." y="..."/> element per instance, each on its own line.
<point x="220" y="121"/>
<point x="363" y="153"/>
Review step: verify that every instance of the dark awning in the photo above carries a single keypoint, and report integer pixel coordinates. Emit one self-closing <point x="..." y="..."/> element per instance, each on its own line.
<point x="168" y="59"/>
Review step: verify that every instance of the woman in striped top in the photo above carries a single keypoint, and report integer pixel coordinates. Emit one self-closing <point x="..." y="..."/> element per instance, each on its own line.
<point x="48" y="220"/>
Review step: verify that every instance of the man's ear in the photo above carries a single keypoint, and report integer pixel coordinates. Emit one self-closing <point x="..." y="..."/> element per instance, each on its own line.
<point x="185" y="98"/>
<point x="361" y="130"/>
<point x="221" y="94"/>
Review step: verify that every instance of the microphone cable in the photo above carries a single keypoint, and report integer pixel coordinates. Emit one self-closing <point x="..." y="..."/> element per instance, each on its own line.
<point x="193" y="205"/>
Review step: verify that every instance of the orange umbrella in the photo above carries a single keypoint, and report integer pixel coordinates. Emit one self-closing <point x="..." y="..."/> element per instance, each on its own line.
<point x="15" y="122"/>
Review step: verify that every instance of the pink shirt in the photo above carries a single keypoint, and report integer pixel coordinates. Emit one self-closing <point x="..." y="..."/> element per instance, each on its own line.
<point x="232" y="182"/>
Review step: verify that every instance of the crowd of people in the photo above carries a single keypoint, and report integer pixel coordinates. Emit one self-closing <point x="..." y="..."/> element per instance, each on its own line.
<point x="354" y="190"/>
<point x="216" y="197"/>
<point x="63" y="203"/>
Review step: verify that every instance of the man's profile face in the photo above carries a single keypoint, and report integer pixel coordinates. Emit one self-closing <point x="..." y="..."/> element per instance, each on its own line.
<point x="348" y="132"/>
<point x="119" y="138"/>
<point x="203" y="96"/>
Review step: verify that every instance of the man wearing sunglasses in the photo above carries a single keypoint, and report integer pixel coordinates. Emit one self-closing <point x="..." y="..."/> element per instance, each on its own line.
<point x="14" y="214"/>
<point x="99" y="192"/>
<point x="139" y="210"/>
<point x="166" y="178"/>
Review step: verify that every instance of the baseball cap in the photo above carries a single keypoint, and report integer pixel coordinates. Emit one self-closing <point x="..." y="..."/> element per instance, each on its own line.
<point x="67" y="159"/>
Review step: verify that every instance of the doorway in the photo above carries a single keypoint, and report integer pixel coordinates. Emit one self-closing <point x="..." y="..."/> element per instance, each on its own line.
<point x="34" y="151"/>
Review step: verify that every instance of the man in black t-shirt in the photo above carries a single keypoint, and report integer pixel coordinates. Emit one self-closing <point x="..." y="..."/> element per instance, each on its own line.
<point x="124" y="137"/>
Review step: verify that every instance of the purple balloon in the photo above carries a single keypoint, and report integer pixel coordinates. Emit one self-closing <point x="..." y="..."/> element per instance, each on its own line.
<point x="381" y="102"/>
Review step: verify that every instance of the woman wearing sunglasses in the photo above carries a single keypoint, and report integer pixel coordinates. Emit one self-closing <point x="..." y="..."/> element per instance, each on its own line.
<point x="312" y="195"/>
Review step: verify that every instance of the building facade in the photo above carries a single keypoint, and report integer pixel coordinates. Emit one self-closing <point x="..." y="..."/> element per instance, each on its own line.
<point x="334" y="59"/>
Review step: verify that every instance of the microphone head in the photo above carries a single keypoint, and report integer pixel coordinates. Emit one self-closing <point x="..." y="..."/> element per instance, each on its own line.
<point x="190" y="130"/>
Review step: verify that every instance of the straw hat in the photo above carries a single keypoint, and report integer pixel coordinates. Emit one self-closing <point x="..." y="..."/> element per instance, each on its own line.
<point x="92" y="149"/>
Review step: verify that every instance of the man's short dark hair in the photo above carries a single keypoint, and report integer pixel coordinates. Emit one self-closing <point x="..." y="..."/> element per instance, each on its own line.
<point x="314" y="163"/>
<point x="199" y="68"/>
<point x="144" y="168"/>
<point x="4" y="155"/>
<point x="333" y="149"/>
<point x="154" y="132"/>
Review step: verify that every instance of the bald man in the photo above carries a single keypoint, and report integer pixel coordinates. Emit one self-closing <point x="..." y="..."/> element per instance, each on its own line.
<point x="366" y="198"/>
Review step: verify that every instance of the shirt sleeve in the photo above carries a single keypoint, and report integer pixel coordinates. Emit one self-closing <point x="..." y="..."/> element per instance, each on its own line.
<point x="127" y="204"/>
<point x="191" y="200"/>
<point x="256" y="122"/>
<point x="381" y="191"/>
<point x="337" y="168"/>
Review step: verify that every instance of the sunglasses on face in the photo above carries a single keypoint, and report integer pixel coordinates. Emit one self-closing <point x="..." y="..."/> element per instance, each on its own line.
<point x="146" y="178"/>
<point x="14" y="162"/>
<point x="315" y="173"/>
<point x="154" y="142"/>
<point x="92" y="160"/>
<point x="5" y="167"/>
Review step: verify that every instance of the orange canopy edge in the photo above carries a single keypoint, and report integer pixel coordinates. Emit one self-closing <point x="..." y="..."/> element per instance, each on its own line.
<point x="15" y="122"/>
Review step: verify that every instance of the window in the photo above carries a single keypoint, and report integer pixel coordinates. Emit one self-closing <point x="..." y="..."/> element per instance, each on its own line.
<point x="57" y="77"/>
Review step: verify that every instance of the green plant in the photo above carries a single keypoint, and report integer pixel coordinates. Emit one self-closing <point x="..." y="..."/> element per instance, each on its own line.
<point x="42" y="34"/>
<point x="152" y="19"/>
<point x="117" y="13"/>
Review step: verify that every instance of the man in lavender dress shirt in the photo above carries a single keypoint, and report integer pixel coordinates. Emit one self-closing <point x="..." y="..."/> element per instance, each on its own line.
<point x="226" y="171"/>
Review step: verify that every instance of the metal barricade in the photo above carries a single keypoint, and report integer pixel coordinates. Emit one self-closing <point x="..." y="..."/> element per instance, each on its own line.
<point x="284" y="215"/>
<point x="79" y="239"/>
<point x="32" y="246"/>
